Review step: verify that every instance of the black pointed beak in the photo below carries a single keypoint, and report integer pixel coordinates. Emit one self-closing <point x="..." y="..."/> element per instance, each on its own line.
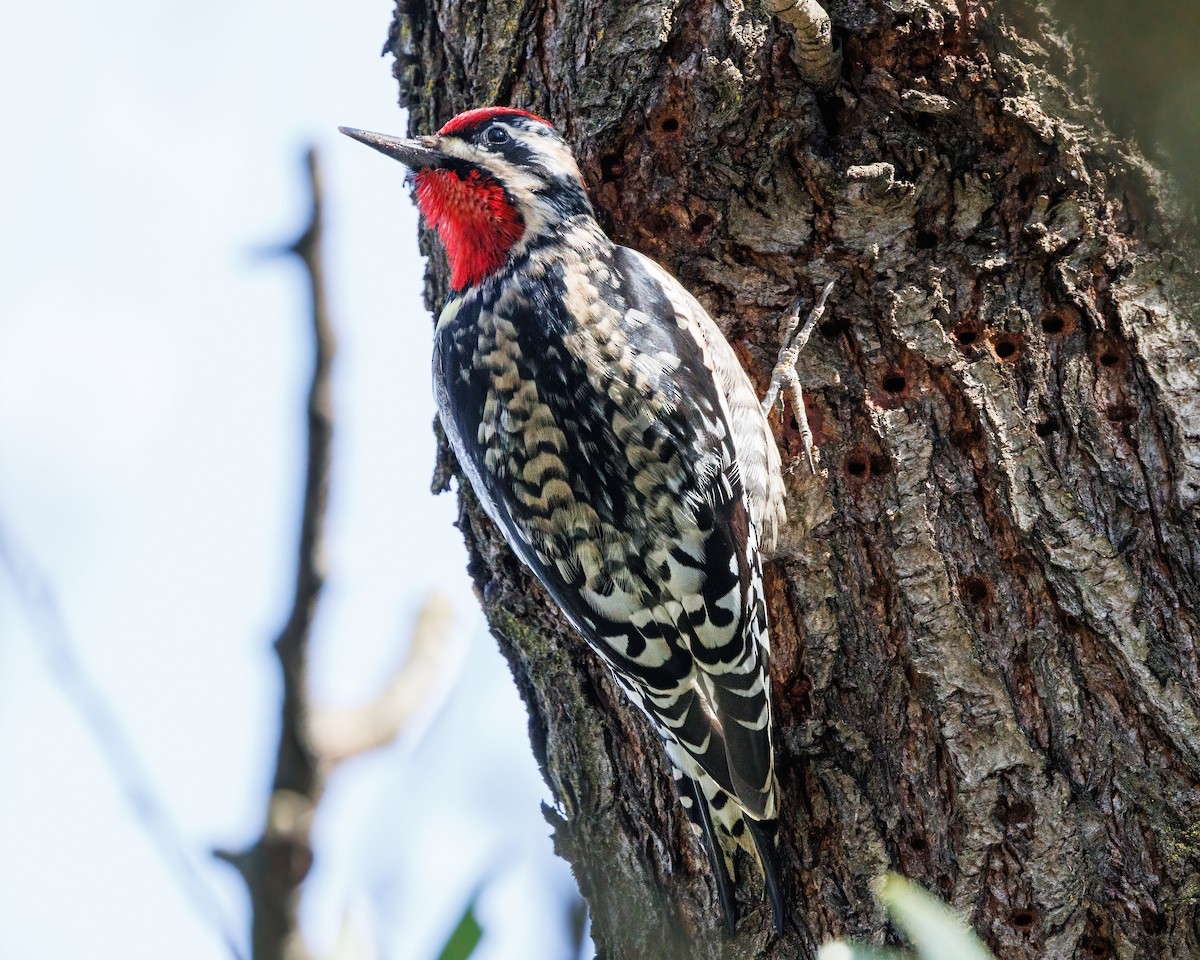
<point x="414" y="154"/>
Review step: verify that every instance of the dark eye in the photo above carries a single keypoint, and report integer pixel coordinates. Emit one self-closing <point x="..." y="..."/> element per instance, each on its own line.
<point x="497" y="135"/>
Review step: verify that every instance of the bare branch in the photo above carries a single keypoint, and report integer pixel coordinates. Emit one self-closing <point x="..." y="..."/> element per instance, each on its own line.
<point x="338" y="735"/>
<point x="819" y="60"/>
<point x="310" y="744"/>
<point x="277" y="863"/>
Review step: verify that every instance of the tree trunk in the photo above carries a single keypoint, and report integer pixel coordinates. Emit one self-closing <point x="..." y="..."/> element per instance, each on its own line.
<point x="985" y="605"/>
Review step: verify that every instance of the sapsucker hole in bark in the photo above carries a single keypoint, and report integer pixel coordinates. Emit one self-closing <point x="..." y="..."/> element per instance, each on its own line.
<point x="1121" y="413"/>
<point x="862" y="465"/>
<point x="894" y="382"/>
<point x="925" y="240"/>
<point x="1054" y="324"/>
<point x="1046" y="427"/>
<point x="611" y="168"/>
<point x="858" y="465"/>
<point x="670" y="125"/>
<point x="1023" y="919"/>
<point x="976" y="590"/>
<point x="966" y="334"/>
<point x="701" y="224"/>
<point x="1007" y="347"/>
<point x="833" y="328"/>
<point x="1017" y="815"/>
<point x="1061" y="322"/>
<point x="918" y="843"/>
<point x="1097" y="947"/>
<point x="1110" y="355"/>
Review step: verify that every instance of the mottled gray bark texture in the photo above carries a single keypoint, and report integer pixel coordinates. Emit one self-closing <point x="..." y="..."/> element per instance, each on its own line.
<point x="985" y="606"/>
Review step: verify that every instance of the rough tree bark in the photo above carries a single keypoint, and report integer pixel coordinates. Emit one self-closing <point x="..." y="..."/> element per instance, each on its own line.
<point x="985" y="608"/>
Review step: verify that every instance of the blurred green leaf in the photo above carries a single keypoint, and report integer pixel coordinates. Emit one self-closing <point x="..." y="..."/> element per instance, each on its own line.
<point x="849" y="950"/>
<point x="934" y="929"/>
<point x="465" y="938"/>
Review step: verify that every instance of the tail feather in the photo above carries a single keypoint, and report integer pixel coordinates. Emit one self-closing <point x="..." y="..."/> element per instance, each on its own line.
<point x="724" y="828"/>
<point x="763" y="832"/>
<point x="700" y="813"/>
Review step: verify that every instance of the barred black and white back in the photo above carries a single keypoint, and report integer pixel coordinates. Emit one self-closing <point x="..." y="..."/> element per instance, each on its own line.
<point x="607" y="428"/>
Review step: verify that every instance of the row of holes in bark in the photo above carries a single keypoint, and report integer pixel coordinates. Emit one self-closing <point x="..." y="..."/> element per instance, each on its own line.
<point x="1006" y="346"/>
<point x="1115" y="413"/>
<point x="611" y="164"/>
<point x="895" y="384"/>
<point x="1009" y="346"/>
<point x="861" y="465"/>
<point x="1095" y="946"/>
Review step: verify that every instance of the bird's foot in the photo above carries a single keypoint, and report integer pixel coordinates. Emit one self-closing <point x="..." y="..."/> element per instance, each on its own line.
<point x="784" y="376"/>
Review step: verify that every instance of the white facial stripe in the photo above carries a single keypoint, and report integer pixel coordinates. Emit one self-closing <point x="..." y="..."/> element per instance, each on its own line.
<point x="521" y="183"/>
<point x="540" y="140"/>
<point x="552" y="152"/>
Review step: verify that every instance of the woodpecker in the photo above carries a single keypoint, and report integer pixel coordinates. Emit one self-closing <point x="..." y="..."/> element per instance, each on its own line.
<point x="609" y="431"/>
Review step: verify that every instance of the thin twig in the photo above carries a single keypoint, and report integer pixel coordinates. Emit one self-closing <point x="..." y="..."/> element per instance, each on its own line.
<point x="339" y="735"/>
<point x="116" y="748"/>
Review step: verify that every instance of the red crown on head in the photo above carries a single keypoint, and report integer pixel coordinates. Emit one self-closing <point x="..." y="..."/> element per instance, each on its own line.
<point x="480" y="115"/>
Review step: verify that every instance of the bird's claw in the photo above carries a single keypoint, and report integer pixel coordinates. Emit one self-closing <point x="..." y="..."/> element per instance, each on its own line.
<point x="784" y="375"/>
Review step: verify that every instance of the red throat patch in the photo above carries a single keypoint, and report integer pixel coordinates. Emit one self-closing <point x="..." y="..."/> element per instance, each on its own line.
<point x="476" y="223"/>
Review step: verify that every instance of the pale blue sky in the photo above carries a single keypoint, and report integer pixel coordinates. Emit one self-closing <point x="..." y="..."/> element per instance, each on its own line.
<point x="151" y="380"/>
